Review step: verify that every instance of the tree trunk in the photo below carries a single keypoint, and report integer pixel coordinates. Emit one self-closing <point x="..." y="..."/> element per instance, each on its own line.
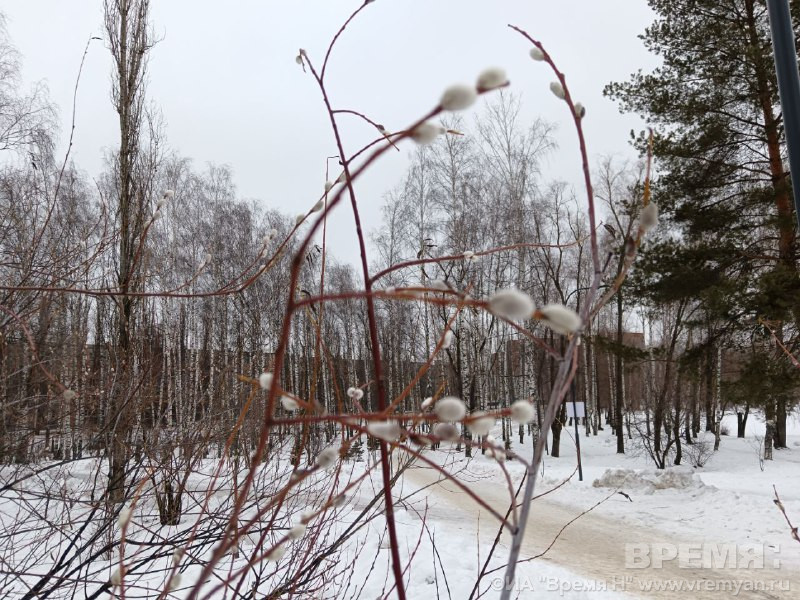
<point x="708" y="381"/>
<point x="741" y="421"/>
<point x="127" y="32"/>
<point x="620" y="380"/>
<point x="556" y="427"/>
<point x="769" y="440"/>
<point x="784" y="206"/>
<point x="780" y="422"/>
<point x="687" y="432"/>
<point x="676" y="423"/>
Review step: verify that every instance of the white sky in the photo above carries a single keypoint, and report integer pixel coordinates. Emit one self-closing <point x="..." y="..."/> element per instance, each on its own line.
<point x="230" y="91"/>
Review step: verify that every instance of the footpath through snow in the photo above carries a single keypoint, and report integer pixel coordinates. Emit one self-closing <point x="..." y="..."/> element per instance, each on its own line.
<point x="712" y="532"/>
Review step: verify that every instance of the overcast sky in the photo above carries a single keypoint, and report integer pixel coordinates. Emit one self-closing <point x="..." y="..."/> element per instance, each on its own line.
<point x="226" y="80"/>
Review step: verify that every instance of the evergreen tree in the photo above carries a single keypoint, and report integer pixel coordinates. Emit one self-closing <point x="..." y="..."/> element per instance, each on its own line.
<point x="723" y="185"/>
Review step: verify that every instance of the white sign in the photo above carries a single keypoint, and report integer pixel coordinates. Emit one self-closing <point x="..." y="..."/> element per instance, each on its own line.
<point x="575" y="407"/>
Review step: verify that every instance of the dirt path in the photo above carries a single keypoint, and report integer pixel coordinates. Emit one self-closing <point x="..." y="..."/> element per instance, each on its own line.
<point x="593" y="547"/>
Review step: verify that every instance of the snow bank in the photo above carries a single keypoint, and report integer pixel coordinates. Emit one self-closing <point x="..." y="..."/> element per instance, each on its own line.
<point x="648" y="481"/>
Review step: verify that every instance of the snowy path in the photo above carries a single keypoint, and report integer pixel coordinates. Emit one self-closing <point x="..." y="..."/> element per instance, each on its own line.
<point x="594" y="548"/>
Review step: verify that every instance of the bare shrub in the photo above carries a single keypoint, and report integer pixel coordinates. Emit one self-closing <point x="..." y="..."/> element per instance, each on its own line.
<point x="700" y="452"/>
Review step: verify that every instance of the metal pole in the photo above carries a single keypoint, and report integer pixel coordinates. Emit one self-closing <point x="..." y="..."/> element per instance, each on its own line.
<point x="577" y="434"/>
<point x="780" y="21"/>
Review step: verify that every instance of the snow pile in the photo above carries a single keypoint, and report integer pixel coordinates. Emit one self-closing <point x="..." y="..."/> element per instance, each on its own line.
<point x="649" y="480"/>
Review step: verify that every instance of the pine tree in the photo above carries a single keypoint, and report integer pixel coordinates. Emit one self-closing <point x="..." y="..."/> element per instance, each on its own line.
<point x="719" y="152"/>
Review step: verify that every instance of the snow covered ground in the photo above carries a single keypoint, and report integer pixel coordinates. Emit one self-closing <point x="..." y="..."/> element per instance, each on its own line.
<point x="727" y="504"/>
<point x="446" y="537"/>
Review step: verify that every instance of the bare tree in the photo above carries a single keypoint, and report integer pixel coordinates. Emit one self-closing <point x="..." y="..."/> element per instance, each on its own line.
<point x="130" y="41"/>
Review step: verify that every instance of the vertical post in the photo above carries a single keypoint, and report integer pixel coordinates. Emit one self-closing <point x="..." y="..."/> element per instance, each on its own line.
<point x="780" y="21"/>
<point x="577" y="432"/>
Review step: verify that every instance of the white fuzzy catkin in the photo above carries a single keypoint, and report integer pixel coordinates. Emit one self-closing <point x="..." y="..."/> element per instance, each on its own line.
<point x="299" y="218"/>
<point x="124" y="517"/>
<point x="522" y="412"/>
<point x="177" y="555"/>
<point x="458" y="97"/>
<point x="342" y="177"/>
<point x="327" y="457"/>
<point x="276" y="553"/>
<point x="560" y="319"/>
<point x="446" y="431"/>
<point x="438" y="284"/>
<point x="422" y="440"/>
<point x="384" y="430"/>
<point x="427" y="402"/>
<point x="649" y="217"/>
<point x="175" y="582"/>
<point x="297" y="531"/>
<point x="537" y="54"/>
<point x="450" y="408"/>
<point x="558" y="90"/>
<point x="480" y="423"/>
<point x="580" y="110"/>
<point x="69" y="395"/>
<point x="496" y="453"/>
<point x="426" y="133"/>
<point x="116" y="577"/>
<point x="265" y="380"/>
<point x="512" y="304"/>
<point x="307" y="515"/>
<point x="169" y="194"/>
<point x="207" y="258"/>
<point x="469" y="256"/>
<point x="328" y="186"/>
<point x="355" y="393"/>
<point x="492" y="78"/>
<point x="447" y="341"/>
<point x="318" y="206"/>
<point x="289" y="403"/>
<point x="160" y="204"/>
